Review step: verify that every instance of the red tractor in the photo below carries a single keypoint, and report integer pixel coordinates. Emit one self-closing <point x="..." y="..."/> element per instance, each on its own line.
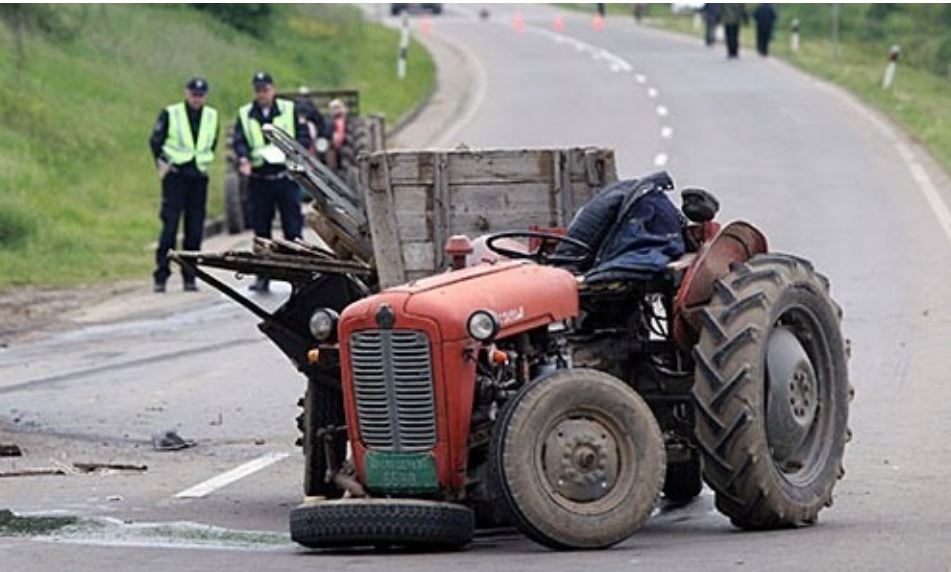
<point x="517" y="388"/>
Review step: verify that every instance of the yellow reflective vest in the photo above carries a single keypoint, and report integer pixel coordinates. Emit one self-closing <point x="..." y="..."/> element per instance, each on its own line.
<point x="261" y="151"/>
<point x="180" y="145"/>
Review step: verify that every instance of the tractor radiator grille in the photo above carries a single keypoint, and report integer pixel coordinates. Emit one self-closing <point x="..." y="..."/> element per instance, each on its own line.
<point x="393" y="383"/>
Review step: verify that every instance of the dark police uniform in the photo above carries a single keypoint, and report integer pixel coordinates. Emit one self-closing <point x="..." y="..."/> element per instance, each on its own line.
<point x="184" y="139"/>
<point x="270" y="186"/>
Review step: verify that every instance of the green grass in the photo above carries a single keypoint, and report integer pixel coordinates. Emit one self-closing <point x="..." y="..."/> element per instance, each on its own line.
<point x="920" y="100"/>
<point x="78" y="192"/>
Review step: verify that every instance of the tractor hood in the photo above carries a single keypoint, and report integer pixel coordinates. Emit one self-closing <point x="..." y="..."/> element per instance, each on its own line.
<point x="522" y="294"/>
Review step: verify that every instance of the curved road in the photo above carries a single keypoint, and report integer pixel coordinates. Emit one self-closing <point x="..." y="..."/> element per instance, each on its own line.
<point x="823" y="177"/>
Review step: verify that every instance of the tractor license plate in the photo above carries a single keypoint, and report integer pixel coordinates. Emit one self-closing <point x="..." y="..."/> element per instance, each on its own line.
<point x="401" y="472"/>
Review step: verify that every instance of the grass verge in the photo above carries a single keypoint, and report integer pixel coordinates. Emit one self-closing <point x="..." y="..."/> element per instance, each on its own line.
<point x="79" y="196"/>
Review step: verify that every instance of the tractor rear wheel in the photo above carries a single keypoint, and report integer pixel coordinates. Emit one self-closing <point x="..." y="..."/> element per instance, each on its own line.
<point x="772" y="393"/>
<point x="409" y="523"/>
<point x="323" y="408"/>
<point x="579" y="459"/>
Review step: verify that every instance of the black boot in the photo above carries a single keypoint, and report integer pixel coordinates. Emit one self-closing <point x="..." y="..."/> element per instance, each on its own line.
<point x="261" y="285"/>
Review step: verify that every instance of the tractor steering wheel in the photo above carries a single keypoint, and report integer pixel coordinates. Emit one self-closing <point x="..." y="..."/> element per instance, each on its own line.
<point x="540" y="255"/>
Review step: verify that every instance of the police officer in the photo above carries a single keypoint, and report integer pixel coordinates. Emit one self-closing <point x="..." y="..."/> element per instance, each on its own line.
<point x="269" y="185"/>
<point x="183" y="146"/>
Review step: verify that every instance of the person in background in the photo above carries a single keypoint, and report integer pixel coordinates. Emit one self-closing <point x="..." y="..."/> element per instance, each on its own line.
<point x="711" y="17"/>
<point x="183" y="145"/>
<point x="338" y="113"/>
<point x="765" y="16"/>
<point x="269" y="184"/>
<point x="308" y="112"/>
<point x="733" y="16"/>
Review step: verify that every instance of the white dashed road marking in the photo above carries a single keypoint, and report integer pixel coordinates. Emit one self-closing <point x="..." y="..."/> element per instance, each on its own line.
<point x="652" y="92"/>
<point x="224" y="479"/>
<point x="662" y="110"/>
<point x="660" y="159"/>
<point x="666" y="132"/>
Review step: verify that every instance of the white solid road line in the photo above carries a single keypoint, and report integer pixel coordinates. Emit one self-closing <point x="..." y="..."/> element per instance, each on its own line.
<point x="224" y="479"/>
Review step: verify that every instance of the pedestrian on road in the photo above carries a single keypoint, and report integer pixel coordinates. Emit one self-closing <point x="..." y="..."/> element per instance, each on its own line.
<point x="269" y="183"/>
<point x="765" y="16"/>
<point x="733" y="16"/>
<point x="711" y="18"/>
<point x="183" y="145"/>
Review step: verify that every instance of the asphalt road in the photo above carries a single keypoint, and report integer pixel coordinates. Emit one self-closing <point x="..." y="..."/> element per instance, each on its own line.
<point x="824" y="178"/>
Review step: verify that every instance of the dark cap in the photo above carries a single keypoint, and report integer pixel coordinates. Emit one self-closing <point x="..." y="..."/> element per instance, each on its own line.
<point x="261" y="79"/>
<point x="197" y="85"/>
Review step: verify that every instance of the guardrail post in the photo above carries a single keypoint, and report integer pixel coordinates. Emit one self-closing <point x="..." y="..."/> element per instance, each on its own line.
<point x="893" y="53"/>
<point x="794" y="36"/>
<point x="404" y="48"/>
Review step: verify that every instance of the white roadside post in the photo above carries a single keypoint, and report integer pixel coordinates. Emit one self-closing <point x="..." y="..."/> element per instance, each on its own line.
<point x="404" y="48"/>
<point x="889" y="78"/>
<point x="794" y="36"/>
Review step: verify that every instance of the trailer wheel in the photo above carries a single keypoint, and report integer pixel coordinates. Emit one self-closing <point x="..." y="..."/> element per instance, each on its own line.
<point x="323" y="407"/>
<point x="409" y="523"/>
<point x="234" y="209"/>
<point x="683" y="481"/>
<point x="772" y="393"/>
<point x="579" y="459"/>
<point x="357" y="141"/>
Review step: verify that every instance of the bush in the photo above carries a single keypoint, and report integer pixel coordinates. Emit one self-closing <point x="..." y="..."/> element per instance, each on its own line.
<point x="254" y="19"/>
<point x="16" y="228"/>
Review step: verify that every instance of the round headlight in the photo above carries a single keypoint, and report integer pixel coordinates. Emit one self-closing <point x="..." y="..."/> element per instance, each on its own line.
<point x="323" y="324"/>
<point x="483" y="325"/>
<point x="322" y="144"/>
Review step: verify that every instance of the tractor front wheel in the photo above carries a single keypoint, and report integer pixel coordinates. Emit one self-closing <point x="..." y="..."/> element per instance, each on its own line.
<point x="579" y="459"/>
<point x="323" y="413"/>
<point x="411" y="523"/>
<point x="772" y="393"/>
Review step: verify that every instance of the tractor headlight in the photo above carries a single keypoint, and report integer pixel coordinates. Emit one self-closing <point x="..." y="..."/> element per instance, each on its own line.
<point x="483" y="325"/>
<point x="323" y="324"/>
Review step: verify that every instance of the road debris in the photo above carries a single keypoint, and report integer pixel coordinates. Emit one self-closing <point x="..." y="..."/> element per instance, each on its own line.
<point x="94" y="467"/>
<point x="170" y="441"/>
<point x="33" y="472"/>
<point x="10" y="450"/>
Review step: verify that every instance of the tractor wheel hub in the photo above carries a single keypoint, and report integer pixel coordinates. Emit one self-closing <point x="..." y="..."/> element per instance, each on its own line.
<point x="793" y="395"/>
<point x="581" y="459"/>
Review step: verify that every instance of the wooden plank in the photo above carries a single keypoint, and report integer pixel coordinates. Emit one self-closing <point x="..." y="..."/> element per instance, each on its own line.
<point x="381" y="214"/>
<point x="500" y="166"/>
<point x="502" y="197"/>
<point x="441" y="205"/>
<point x="474" y="224"/>
<point x="419" y="256"/>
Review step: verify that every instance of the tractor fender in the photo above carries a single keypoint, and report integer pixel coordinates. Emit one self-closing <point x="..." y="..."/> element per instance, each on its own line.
<point x="736" y="242"/>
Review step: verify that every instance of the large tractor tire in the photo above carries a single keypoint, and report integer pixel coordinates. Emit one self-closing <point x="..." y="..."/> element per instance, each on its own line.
<point x="356" y="142"/>
<point x="772" y="393"/>
<point x="409" y="523"/>
<point x="579" y="459"/>
<point x="234" y="208"/>
<point x="323" y="407"/>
